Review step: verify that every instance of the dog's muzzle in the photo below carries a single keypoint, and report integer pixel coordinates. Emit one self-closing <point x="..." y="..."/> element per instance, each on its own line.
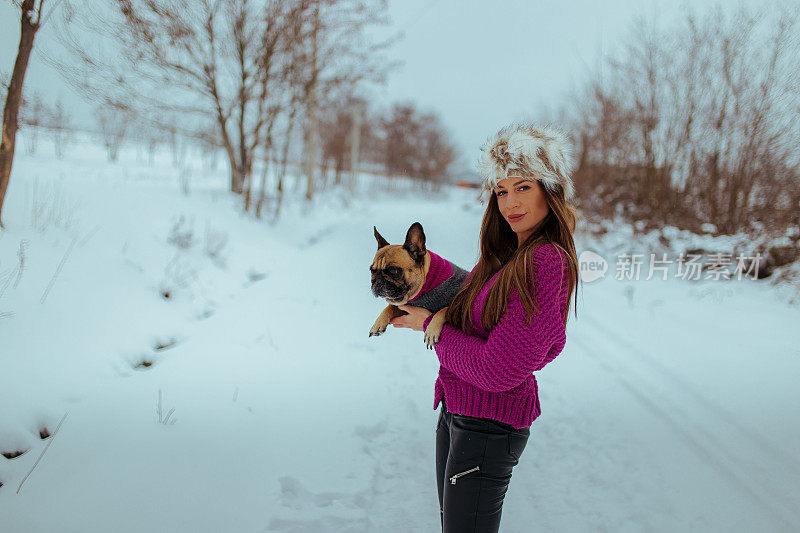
<point x="383" y="289"/>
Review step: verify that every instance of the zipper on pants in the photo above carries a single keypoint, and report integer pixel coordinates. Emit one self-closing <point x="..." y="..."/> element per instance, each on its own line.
<point x="454" y="478"/>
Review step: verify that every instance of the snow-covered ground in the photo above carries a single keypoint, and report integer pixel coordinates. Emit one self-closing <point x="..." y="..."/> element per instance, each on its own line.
<point x="673" y="407"/>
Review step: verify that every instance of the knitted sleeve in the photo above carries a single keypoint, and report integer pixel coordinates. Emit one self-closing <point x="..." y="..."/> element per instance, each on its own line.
<point x="513" y="348"/>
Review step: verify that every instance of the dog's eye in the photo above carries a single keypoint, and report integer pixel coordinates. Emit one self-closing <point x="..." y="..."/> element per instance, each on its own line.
<point x="393" y="271"/>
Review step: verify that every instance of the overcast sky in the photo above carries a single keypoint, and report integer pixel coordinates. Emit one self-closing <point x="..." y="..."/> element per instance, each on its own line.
<point x="478" y="64"/>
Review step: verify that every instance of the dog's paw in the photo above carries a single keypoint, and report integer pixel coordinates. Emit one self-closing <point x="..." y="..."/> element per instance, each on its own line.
<point x="434" y="329"/>
<point x="377" y="328"/>
<point x="431" y="337"/>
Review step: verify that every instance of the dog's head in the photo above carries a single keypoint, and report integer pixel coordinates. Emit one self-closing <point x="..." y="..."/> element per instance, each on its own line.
<point x="398" y="270"/>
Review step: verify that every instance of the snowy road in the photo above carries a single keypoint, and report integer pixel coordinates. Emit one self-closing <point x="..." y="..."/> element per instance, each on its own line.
<point x="666" y="411"/>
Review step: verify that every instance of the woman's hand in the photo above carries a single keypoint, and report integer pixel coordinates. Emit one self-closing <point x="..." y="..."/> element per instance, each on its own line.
<point x="414" y="319"/>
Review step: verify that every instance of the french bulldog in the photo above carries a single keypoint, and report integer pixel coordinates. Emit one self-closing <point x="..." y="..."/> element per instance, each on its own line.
<point x="408" y="273"/>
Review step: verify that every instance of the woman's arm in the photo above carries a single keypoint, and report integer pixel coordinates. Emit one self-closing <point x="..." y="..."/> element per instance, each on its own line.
<point x="514" y="348"/>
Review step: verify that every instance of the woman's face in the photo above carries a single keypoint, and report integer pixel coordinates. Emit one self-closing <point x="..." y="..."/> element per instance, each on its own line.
<point x="522" y="203"/>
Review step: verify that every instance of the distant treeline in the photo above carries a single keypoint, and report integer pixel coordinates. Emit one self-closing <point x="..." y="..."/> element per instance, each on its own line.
<point x="261" y="81"/>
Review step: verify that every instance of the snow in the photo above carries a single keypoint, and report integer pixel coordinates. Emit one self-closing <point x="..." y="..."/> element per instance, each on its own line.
<point x="672" y="407"/>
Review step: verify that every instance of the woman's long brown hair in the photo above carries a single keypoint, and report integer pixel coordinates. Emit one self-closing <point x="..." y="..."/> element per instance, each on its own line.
<point x="499" y="247"/>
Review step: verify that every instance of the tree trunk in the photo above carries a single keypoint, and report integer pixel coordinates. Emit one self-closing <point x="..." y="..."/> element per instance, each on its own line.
<point x="311" y="131"/>
<point x="247" y="186"/>
<point x="282" y="169"/>
<point x="248" y="195"/>
<point x="262" y="193"/>
<point x="11" y="111"/>
<point x="355" y="141"/>
<point x="323" y="174"/>
<point x="236" y="171"/>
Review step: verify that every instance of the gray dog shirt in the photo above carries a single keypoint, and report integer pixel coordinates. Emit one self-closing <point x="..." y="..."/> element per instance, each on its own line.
<point x="442" y="283"/>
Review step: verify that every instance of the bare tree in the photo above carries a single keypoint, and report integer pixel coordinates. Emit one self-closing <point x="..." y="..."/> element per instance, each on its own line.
<point x="632" y="113"/>
<point x="695" y="121"/>
<point x="60" y="127"/>
<point x="274" y="93"/>
<point x="30" y="21"/>
<point x="114" y="123"/>
<point x="246" y="67"/>
<point x="435" y="153"/>
<point x="282" y="147"/>
<point x="603" y="140"/>
<point x="331" y="57"/>
<point x="415" y="144"/>
<point x="334" y="134"/>
<point x="34" y="114"/>
<point x="400" y="130"/>
<point x="336" y="56"/>
<point x="748" y="115"/>
<point x="182" y="65"/>
<point x="338" y="122"/>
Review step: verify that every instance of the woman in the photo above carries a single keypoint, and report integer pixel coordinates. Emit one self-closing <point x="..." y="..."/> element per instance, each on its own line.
<point x="507" y="321"/>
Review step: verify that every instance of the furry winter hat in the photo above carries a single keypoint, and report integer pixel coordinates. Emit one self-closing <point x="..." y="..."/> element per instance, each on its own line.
<point x="530" y="152"/>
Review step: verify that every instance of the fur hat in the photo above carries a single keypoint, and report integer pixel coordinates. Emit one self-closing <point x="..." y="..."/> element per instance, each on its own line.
<point x="530" y="152"/>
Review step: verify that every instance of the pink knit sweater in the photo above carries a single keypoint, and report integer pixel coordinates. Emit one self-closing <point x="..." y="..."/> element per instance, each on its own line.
<point x="489" y="374"/>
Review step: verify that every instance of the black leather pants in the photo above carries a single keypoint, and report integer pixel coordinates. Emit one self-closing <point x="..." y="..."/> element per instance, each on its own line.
<point x="474" y="459"/>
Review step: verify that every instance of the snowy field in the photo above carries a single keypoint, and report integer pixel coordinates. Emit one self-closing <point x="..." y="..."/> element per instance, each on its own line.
<point x="673" y="407"/>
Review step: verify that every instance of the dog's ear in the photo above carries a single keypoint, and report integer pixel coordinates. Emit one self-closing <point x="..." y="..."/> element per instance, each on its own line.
<point x="381" y="241"/>
<point x="415" y="242"/>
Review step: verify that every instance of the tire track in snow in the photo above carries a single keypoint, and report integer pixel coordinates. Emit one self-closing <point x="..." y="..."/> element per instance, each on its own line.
<point x="718" y="412"/>
<point x="783" y="517"/>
